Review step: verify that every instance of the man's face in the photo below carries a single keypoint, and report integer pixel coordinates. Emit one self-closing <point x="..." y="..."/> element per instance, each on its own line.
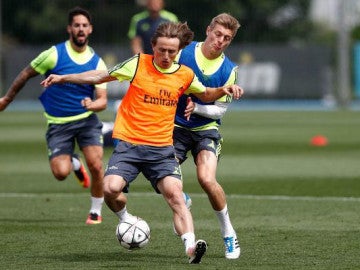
<point x="218" y="39"/>
<point x="165" y="51"/>
<point x="79" y="30"/>
<point x="155" y="5"/>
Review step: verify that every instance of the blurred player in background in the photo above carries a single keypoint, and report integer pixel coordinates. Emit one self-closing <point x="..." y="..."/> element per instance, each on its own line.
<point x="200" y="133"/>
<point x="145" y="122"/>
<point x="69" y="108"/>
<point x="144" y="24"/>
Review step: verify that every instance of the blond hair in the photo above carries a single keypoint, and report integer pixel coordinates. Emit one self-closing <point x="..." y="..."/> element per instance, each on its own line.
<point x="227" y="21"/>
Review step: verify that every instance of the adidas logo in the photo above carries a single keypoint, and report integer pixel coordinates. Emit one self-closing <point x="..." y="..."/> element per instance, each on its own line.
<point x="212" y="145"/>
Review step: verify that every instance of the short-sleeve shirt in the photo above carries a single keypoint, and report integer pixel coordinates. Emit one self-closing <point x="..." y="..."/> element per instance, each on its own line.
<point x="212" y="73"/>
<point x="62" y="103"/>
<point x="143" y="26"/>
<point x="147" y="111"/>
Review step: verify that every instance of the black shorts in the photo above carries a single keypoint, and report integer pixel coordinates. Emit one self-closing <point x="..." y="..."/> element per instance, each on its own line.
<point x="61" y="138"/>
<point x="155" y="163"/>
<point x="186" y="140"/>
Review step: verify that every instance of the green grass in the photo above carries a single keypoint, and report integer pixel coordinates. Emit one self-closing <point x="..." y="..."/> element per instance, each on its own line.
<point x="293" y="205"/>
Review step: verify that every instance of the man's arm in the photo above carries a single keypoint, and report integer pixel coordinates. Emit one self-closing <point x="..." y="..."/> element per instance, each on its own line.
<point x="99" y="103"/>
<point x="212" y="111"/>
<point x="88" y="77"/>
<point x="19" y="82"/>
<point x="218" y="109"/>
<point x="136" y="45"/>
<point x="212" y="94"/>
<point x="135" y="40"/>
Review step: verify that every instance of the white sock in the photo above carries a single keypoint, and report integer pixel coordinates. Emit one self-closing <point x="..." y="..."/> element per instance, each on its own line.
<point x="122" y="214"/>
<point x="225" y="223"/>
<point x="188" y="240"/>
<point x="76" y="163"/>
<point x="96" y="205"/>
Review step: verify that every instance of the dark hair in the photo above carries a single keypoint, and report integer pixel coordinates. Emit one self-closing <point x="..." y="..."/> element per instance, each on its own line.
<point x="78" y="11"/>
<point x="174" y="30"/>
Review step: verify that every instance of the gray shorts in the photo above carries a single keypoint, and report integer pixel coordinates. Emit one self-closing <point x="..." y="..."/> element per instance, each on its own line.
<point x="186" y="140"/>
<point x="61" y="138"/>
<point x="128" y="160"/>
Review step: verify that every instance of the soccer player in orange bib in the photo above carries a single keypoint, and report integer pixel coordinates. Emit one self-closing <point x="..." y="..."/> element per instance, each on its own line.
<point x="145" y="123"/>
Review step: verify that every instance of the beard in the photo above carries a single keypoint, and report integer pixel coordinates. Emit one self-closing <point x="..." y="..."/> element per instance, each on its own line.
<point x="78" y="42"/>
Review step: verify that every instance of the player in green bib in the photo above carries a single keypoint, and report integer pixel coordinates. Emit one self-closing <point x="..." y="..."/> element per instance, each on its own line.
<point x="144" y="24"/>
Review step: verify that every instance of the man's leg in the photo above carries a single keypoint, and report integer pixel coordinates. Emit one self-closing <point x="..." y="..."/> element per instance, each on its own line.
<point x="61" y="166"/>
<point x="94" y="156"/>
<point x="206" y="162"/>
<point x="171" y="189"/>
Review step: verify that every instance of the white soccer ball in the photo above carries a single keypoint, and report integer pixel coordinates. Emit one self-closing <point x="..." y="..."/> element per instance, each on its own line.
<point x="133" y="233"/>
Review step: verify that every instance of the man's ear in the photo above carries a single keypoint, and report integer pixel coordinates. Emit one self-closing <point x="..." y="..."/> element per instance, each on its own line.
<point x="207" y="30"/>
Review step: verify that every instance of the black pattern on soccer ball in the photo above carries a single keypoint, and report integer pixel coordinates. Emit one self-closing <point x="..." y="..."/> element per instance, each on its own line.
<point x="133" y="234"/>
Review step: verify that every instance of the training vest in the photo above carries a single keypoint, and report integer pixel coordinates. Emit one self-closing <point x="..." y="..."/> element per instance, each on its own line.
<point x="218" y="79"/>
<point x="147" y="111"/>
<point x="64" y="100"/>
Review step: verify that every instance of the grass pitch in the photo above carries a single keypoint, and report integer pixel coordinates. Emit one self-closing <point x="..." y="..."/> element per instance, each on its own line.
<point x="294" y="206"/>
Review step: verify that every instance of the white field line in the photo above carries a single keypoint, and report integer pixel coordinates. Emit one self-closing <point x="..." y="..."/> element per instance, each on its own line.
<point x="150" y="194"/>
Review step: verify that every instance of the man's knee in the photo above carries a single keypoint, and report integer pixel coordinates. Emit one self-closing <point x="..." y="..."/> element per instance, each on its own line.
<point x="113" y="185"/>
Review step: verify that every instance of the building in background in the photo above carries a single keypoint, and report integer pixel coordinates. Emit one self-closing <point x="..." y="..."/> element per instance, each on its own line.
<point x="327" y="12"/>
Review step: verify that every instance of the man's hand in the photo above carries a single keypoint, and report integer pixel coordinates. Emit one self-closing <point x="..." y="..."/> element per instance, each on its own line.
<point x="4" y="102"/>
<point x="190" y="106"/>
<point x="51" y="79"/>
<point x="86" y="103"/>
<point x="235" y="90"/>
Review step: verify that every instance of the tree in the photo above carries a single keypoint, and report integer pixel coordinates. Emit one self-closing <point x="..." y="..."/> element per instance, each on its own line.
<point x="40" y="21"/>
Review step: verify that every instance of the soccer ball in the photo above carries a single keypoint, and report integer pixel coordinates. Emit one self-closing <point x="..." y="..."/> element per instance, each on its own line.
<point x="133" y="233"/>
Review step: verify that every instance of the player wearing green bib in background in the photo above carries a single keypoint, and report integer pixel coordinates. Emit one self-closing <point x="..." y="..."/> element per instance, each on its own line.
<point x="144" y="24"/>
